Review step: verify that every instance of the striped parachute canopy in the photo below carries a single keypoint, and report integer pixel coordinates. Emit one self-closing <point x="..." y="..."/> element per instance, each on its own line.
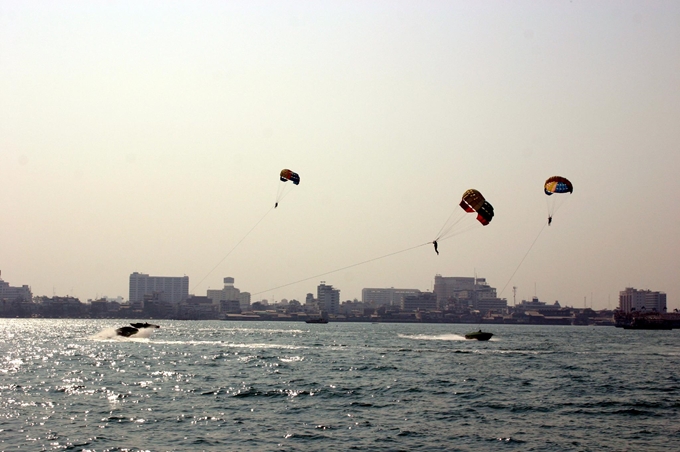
<point x="557" y="184"/>
<point x="473" y="201"/>
<point x="288" y="175"/>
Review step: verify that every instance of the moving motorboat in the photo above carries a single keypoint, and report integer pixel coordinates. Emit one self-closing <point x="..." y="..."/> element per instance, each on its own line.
<point x="127" y="331"/>
<point x="479" y="335"/>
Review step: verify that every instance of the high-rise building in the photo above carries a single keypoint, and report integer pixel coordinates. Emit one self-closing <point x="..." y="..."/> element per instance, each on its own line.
<point x="638" y="300"/>
<point x="329" y="298"/>
<point x="386" y="297"/>
<point x="471" y="292"/>
<point x="244" y="300"/>
<point x="173" y="289"/>
<point x="230" y="293"/>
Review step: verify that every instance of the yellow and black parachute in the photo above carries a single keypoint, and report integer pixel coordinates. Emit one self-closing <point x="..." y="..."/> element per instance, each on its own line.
<point x="556" y="185"/>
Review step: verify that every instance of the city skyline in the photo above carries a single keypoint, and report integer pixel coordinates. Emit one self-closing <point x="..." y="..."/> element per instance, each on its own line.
<point x="173" y="289"/>
<point x="150" y="137"/>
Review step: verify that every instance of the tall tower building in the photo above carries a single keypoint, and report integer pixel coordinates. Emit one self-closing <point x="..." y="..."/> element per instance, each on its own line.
<point x="329" y="298"/>
<point x="230" y="293"/>
<point x="174" y="289"/>
<point x="469" y="291"/>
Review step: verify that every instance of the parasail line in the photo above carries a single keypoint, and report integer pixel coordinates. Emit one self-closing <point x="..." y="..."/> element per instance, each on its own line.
<point x="443" y="232"/>
<point x="283" y="190"/>
<point x="343" y="268"/>
<point x="283" y="194"/>
<point x="448" y="235"/>
<point x="232" y="250"/>
<point x="440" y="233"/>
<point x="520" y="262"/>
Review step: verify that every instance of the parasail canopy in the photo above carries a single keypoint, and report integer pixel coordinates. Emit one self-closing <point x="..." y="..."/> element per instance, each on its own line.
<point x="557" y="184"/>
<point x="288" y="175"/>
<point x="473" y="201"/>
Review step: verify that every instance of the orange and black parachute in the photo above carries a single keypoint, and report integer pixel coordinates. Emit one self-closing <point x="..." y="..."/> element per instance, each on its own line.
<point x="557" y="184"/>
<point x="473" y="201"/>
<point x="288" y="175"/>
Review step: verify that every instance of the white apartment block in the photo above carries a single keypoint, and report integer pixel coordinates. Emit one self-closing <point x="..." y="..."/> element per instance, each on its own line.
<point x="386" y="297"/>
<point x="462" y="287"/>
<point x="329" y="298"/>
<point x="11" y="293"/>
<point x="174" y="289"/>
<point x="632" y="299"/>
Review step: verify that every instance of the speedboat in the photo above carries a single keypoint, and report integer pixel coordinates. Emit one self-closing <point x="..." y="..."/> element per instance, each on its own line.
<point x="127" y="331"/>
<point x="479" y="335"/>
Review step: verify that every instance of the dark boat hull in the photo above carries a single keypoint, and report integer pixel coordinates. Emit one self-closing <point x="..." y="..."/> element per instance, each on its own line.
<point x="647" y="320"/>
<point x="479" y="335"/>
<point x="126" y="331"/>
<point x="134" y="328"/>
<point x="316" y="321"/>
<point x="144" y="325"/>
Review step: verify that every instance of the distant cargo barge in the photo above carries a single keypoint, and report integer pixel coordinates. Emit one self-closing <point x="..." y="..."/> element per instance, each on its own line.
<point x="647" y="320"/>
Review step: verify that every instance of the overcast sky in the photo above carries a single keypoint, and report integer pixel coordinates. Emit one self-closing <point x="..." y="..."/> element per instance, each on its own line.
<point x="148" y="136"/>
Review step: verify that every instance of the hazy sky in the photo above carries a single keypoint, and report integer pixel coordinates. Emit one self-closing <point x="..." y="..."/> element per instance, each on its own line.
<point x="148" y="136"/>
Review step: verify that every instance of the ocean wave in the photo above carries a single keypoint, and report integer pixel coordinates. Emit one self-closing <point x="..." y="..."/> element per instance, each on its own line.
<point x="352" y="387"/>
<point x="439" y="337"/>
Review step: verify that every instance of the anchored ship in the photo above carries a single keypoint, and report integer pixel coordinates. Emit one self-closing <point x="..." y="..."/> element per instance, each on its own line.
<point x="647" y="320"/>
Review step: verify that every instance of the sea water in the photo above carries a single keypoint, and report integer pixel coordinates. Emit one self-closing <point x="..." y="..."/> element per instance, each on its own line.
<point x="216" y="386"/>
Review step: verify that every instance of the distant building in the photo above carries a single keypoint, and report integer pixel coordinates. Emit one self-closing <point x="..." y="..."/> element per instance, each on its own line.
<point x="353" y="307"/>
<point x="491" y="305"/>
<point x="15" y="301"/>
<point x="156" y="306"/>
<point x="638" y="300"/>
<point x="104" y="307"/>
<point x="311" y="305"/>
<point x="536" y="305"/>
<point x="197" y="308"/>
<point x="10" y="293"/>
<point x="424" y="301"/>
<point x="386" y="297"/>
<point x="329" y="298"/>
<point x="60" y="307"/>
<point x="244" y="300"/>
<point x="230" y="306"/>
<point x="229" y="293"/>
<point x="468" y="292"/>
<point x="173" y="289"/>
